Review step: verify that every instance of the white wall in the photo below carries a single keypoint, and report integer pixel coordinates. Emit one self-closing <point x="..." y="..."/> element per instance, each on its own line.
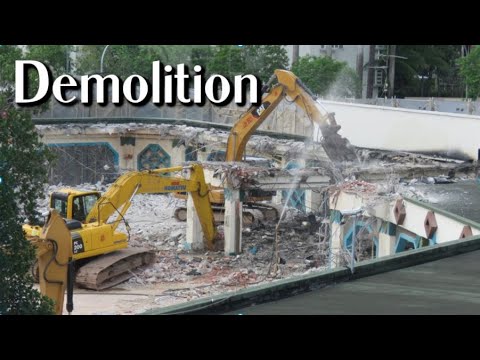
<point x="403" y="129"/>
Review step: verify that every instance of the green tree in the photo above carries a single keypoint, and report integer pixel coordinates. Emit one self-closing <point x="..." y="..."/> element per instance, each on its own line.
<point x="260" y="60"/>
<point x="227" y="60"/>
<point x="8" y="55"/>
<point x="428" y="70"/>
<point x="201" y="55"/>
<point x="470" y="70"/>
<point x="263" y="60"/>
<point x="56" y="57"/>
<point x="347" y="84"/>
<point x="121" y="60"/>
<point x="180" y="54"/>
<point x="23" y="163"/>
<point x="88" y="60"/>
<point x="326" y="76"/>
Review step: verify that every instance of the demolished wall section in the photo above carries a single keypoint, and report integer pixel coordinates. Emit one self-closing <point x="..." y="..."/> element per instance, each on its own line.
<point x="137" y="146"/>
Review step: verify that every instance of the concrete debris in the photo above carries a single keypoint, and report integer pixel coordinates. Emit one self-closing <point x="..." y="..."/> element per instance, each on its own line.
<point x="399" y="157"/>
<point x="186" y="135"/>
<point x="299" y="245"/>
<point x="358" y="186"/>
<point x="153" y="226"/>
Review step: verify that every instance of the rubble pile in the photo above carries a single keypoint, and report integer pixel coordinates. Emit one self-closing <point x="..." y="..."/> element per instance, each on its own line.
<point x="300" y="250"/>
<point x="298" y="245"/>
<point x="153" y="226"/>
<point x="399" y="157"/>
<point x="358" y="186"/>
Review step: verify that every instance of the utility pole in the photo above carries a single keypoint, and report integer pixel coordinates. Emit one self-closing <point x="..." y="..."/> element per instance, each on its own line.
<point x="295" y="54"/>
<point x="465" y="51"/>
<point x="360" y="69"/>
<point x="329" y="50"/>
<point x="391" y="70"/>
<point x="371" y="71"/>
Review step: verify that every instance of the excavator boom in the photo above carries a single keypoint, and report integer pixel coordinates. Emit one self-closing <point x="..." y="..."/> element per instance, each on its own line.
<point x="117" y="199"/>
<point x="288" y="85"/>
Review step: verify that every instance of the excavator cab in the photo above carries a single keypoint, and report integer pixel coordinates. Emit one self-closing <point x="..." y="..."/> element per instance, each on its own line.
<point x="74" y="204"/>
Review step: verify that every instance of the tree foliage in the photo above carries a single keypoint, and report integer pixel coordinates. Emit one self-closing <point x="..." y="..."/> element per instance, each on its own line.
<point x="56" y="57"/>
<point x="201" y="55"/>
<point x="125" y="60"/>
<point x="8" y="55"/>
<point x="182" y="54"/>
<point x="326" y="76"/>
<point x="260" y="60"/>
<point x="346" y="84"/>
<point x="23" y="163"/>
<point x="428" y="70"/>
<point x="121" y="60"/>
<point x="470" y="71"/>
<point x="227" y="60"/>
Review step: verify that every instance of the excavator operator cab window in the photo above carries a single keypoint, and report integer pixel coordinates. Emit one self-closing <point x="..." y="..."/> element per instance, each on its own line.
<point x="89" y="201"/>
<point x="78" y="212"/>
<point x="82" y="206"/>
<point x="59" y="203"/>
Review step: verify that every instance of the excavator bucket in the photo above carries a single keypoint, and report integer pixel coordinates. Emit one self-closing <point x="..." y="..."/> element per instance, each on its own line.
<point x="54" y="245"/>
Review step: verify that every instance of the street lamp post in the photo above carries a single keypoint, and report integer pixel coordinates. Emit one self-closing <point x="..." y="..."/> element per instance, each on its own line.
<point x="101" y="59"/>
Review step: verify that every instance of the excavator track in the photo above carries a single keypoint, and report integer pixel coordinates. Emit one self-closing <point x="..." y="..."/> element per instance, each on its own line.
<point x="251" y="213"/>
<point x="112" y="269"/>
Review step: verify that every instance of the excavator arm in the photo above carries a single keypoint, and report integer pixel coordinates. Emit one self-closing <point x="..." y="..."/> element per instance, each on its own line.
<point x="118" y="198"/>
<point x="288" y="85"/>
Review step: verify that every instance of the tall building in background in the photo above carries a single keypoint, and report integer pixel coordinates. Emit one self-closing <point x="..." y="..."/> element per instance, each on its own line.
<point x="351" y="54"/>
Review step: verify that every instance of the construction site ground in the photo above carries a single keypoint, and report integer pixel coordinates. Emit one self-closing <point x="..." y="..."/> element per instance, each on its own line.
<point x="180" y="275"/>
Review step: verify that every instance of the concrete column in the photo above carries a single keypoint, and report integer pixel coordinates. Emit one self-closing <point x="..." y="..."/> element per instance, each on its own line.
<point x="313" y="200"/>
<point x="194" y="228"/>
<point x="336" y="240"/>
<point x="386" y="239"/>
<point x="202" y="155"/>
<point x="359" y="69"/>
<point x="391" y="70"/>
<point x="295" y="53"/>
<point x="178" y="155"/>
<point x="277" y="199"/>
<point x="233" y="222"/>
<point x="329" y="50"/>
<point x="386" y="244"/>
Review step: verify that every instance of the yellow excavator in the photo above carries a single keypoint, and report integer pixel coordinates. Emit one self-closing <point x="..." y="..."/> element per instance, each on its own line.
<point x="282" y="85"/>
<point x="86" y="217"/>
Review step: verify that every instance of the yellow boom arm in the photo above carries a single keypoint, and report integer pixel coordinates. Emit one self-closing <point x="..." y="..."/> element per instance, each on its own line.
<point x="118" y="197"/>
<point x="288" y="85"/>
